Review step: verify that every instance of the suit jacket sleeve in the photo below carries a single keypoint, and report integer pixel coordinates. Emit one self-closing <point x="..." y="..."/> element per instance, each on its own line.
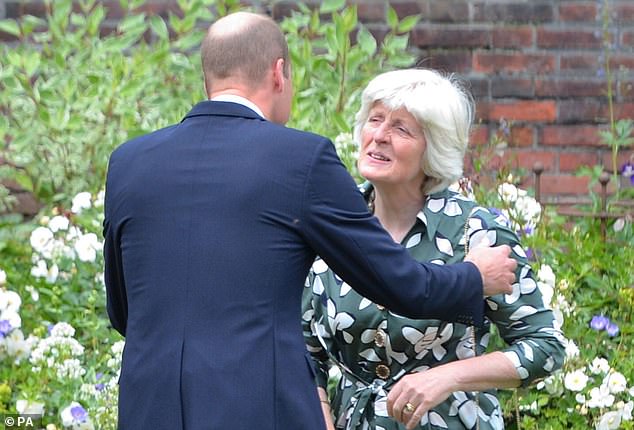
<point x="116" y="298"/>
<point x="352" y="242"/>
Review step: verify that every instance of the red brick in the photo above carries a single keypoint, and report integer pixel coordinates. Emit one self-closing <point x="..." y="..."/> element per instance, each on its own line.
<point x="570" y="135"/>
<point x="578" y="12"/>
<point x="564" y="184"/>
<point x="522" y="136"/>
<point x="448" y="61"/>
<point x="407" y="8"/>
<point x="527" y="159"/>
<point x="576" y="61"/>
<point x="626" y="90"/>
<point x="441" y="36"/>
<point x="622" y="61"/>
<point x="370" y="12"/>
<point x="479" y="135"/>
<point x="622" y="158"/>
<point x="14" y="9"/>
<point x="510" y="87"/>
<point x="569" y="88"/>
<point x="540" y="111"/>
<point x="623" y="110"/>
<point x="623" y="12"/>
<point x="448" y="11"/>
<point x="575" y="111"/>
<point x="478" y="87"/>
<point x="486" y="62"/>
<point x="160" y="8"/>
<point x="627" y="38"/>
<point x="568" y="39"/>
<point x="569" y="162"/>
<point x="513" y="37"/>
<point x="282" y="9"/>
<point x="513" y="12"/>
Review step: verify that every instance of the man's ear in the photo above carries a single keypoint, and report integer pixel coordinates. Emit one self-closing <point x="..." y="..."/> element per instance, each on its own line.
<point x="278" y="75"/>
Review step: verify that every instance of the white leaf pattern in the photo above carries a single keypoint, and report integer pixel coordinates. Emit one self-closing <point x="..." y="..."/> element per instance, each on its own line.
<point x="518" y="250"/>
<point x="318" y="286"/>
<point x="320" y="266"/>
<point x="436" y="420"/>
<point x="452" y="208"/>
<point x="370" y="355"/>
<point x="435" y="205"/>
<point x="364" y="303"/>
<point x="345" y="289"/>
<point x="413" y="241"/>
<point x="522" y="312"/>
<point x="444" y="245"/>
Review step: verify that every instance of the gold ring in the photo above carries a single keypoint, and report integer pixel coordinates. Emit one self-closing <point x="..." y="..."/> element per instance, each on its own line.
<point x="409" y="407"/>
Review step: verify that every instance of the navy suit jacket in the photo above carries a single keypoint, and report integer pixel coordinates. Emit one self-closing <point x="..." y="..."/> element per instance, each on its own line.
<point x="211" y="226"/>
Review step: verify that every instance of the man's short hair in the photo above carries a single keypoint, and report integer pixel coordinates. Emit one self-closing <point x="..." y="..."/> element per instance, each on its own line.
<point x="243" y="46"/>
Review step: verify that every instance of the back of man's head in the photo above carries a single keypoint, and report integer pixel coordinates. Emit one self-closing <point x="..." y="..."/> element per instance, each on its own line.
<point x="242" y="47"/>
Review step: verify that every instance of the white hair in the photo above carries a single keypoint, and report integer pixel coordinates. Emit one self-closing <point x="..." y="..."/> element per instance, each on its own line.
<point x="440" y="105"/>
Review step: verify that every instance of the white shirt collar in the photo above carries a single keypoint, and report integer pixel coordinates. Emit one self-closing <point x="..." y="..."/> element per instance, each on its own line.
<point x="240" y="100"/>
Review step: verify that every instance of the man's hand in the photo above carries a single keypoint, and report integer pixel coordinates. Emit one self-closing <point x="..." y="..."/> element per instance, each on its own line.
<point x="496" y="267"/>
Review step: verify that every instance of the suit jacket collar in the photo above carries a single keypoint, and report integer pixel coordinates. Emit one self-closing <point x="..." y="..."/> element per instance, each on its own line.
<point x="214" y="108"/>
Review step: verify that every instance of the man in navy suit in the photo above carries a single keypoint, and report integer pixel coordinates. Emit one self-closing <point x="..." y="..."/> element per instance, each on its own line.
<point x="211" y="226"/>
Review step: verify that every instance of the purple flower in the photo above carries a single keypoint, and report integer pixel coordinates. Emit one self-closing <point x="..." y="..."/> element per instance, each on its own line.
<point x="98" y="375"/>
<point x="612" y="329"/>
<point x="529" y="254"/>
<point x="79" y="414"/>
<point x="99" y="387"/>
<point x="5" y="327"/>
<point x="599" y="322"/>
<point x="627" y="170"/>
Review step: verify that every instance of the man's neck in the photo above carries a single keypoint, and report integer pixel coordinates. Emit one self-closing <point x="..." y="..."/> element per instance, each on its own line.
<point x="234" y="98"/>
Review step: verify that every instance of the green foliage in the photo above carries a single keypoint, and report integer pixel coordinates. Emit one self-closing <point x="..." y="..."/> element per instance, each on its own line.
<point x="70" y="95"/>
<point x="333" y="61"/>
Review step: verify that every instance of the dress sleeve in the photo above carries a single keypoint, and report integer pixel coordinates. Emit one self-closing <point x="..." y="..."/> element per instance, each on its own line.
<point x="311" y="312"/>
<point x="338" y="226"/>
<point x="527" y="325"/>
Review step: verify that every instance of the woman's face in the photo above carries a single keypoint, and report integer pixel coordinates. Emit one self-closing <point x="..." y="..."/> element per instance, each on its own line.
<point x="392" y="147"/>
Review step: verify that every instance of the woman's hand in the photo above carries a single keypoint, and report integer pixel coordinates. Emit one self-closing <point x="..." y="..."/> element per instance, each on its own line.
<point x="417" y="393"/>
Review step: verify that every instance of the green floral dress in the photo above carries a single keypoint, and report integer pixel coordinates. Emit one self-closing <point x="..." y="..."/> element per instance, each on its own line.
<point x="374" y="347"/>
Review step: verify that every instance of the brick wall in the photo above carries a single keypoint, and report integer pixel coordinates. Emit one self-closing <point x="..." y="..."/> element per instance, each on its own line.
<point x="537" y="64"/>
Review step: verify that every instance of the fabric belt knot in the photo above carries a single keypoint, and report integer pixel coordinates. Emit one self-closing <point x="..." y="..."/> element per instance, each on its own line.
<point x="365" y="394"/>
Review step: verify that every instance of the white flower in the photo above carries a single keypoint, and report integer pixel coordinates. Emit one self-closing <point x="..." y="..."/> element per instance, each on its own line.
<point x="575" y="381"/>
<point x="17" y="347"/>
<point x="3" y="277"/>
<point x="117" y="347"/>
<point x="63" y="329"/>
<point x="40" y="270"/>
<point x="26" y="407"/>
<point x="13" y="317"/>
<point x="546" y="275"/>
<point x="99" y="199"/>
<point x="616" y="382"/>
<point x="80" y="202"/>
<point x="58" y="223"/>
<point x="40" y="239"/>
<point x="609" y="421"/>
<point x="87" y="246"/>
<point x="34" y="294"/>
<point x="580" y="398"/>
<point x="600" y="397"/>
<point x="599" y="366"/>
<point x="10" y="301"/>
<point x="572" y="350"/>
<point x="626" y="411"/>
<point x="508" y="192"/>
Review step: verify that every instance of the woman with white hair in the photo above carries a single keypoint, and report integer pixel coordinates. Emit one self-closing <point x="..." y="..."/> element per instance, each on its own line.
<point x="413" y="130"/>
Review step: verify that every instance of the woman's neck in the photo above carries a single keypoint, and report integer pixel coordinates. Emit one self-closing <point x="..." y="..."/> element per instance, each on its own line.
<point x="396" y="208"/>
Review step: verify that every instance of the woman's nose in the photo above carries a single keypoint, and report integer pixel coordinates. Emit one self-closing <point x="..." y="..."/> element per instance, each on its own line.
<point x="382" y="133"/>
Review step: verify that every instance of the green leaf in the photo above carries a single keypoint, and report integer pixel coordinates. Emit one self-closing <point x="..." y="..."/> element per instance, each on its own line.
<point x="133" y="22"/>
<point x="366" y="41"/>
<point x="408" y="23"/>
<point x="10" y="26"/>
<point x="392" y="18"/>
<point x="329" y="6"/>
<point x="158" y="27"/>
